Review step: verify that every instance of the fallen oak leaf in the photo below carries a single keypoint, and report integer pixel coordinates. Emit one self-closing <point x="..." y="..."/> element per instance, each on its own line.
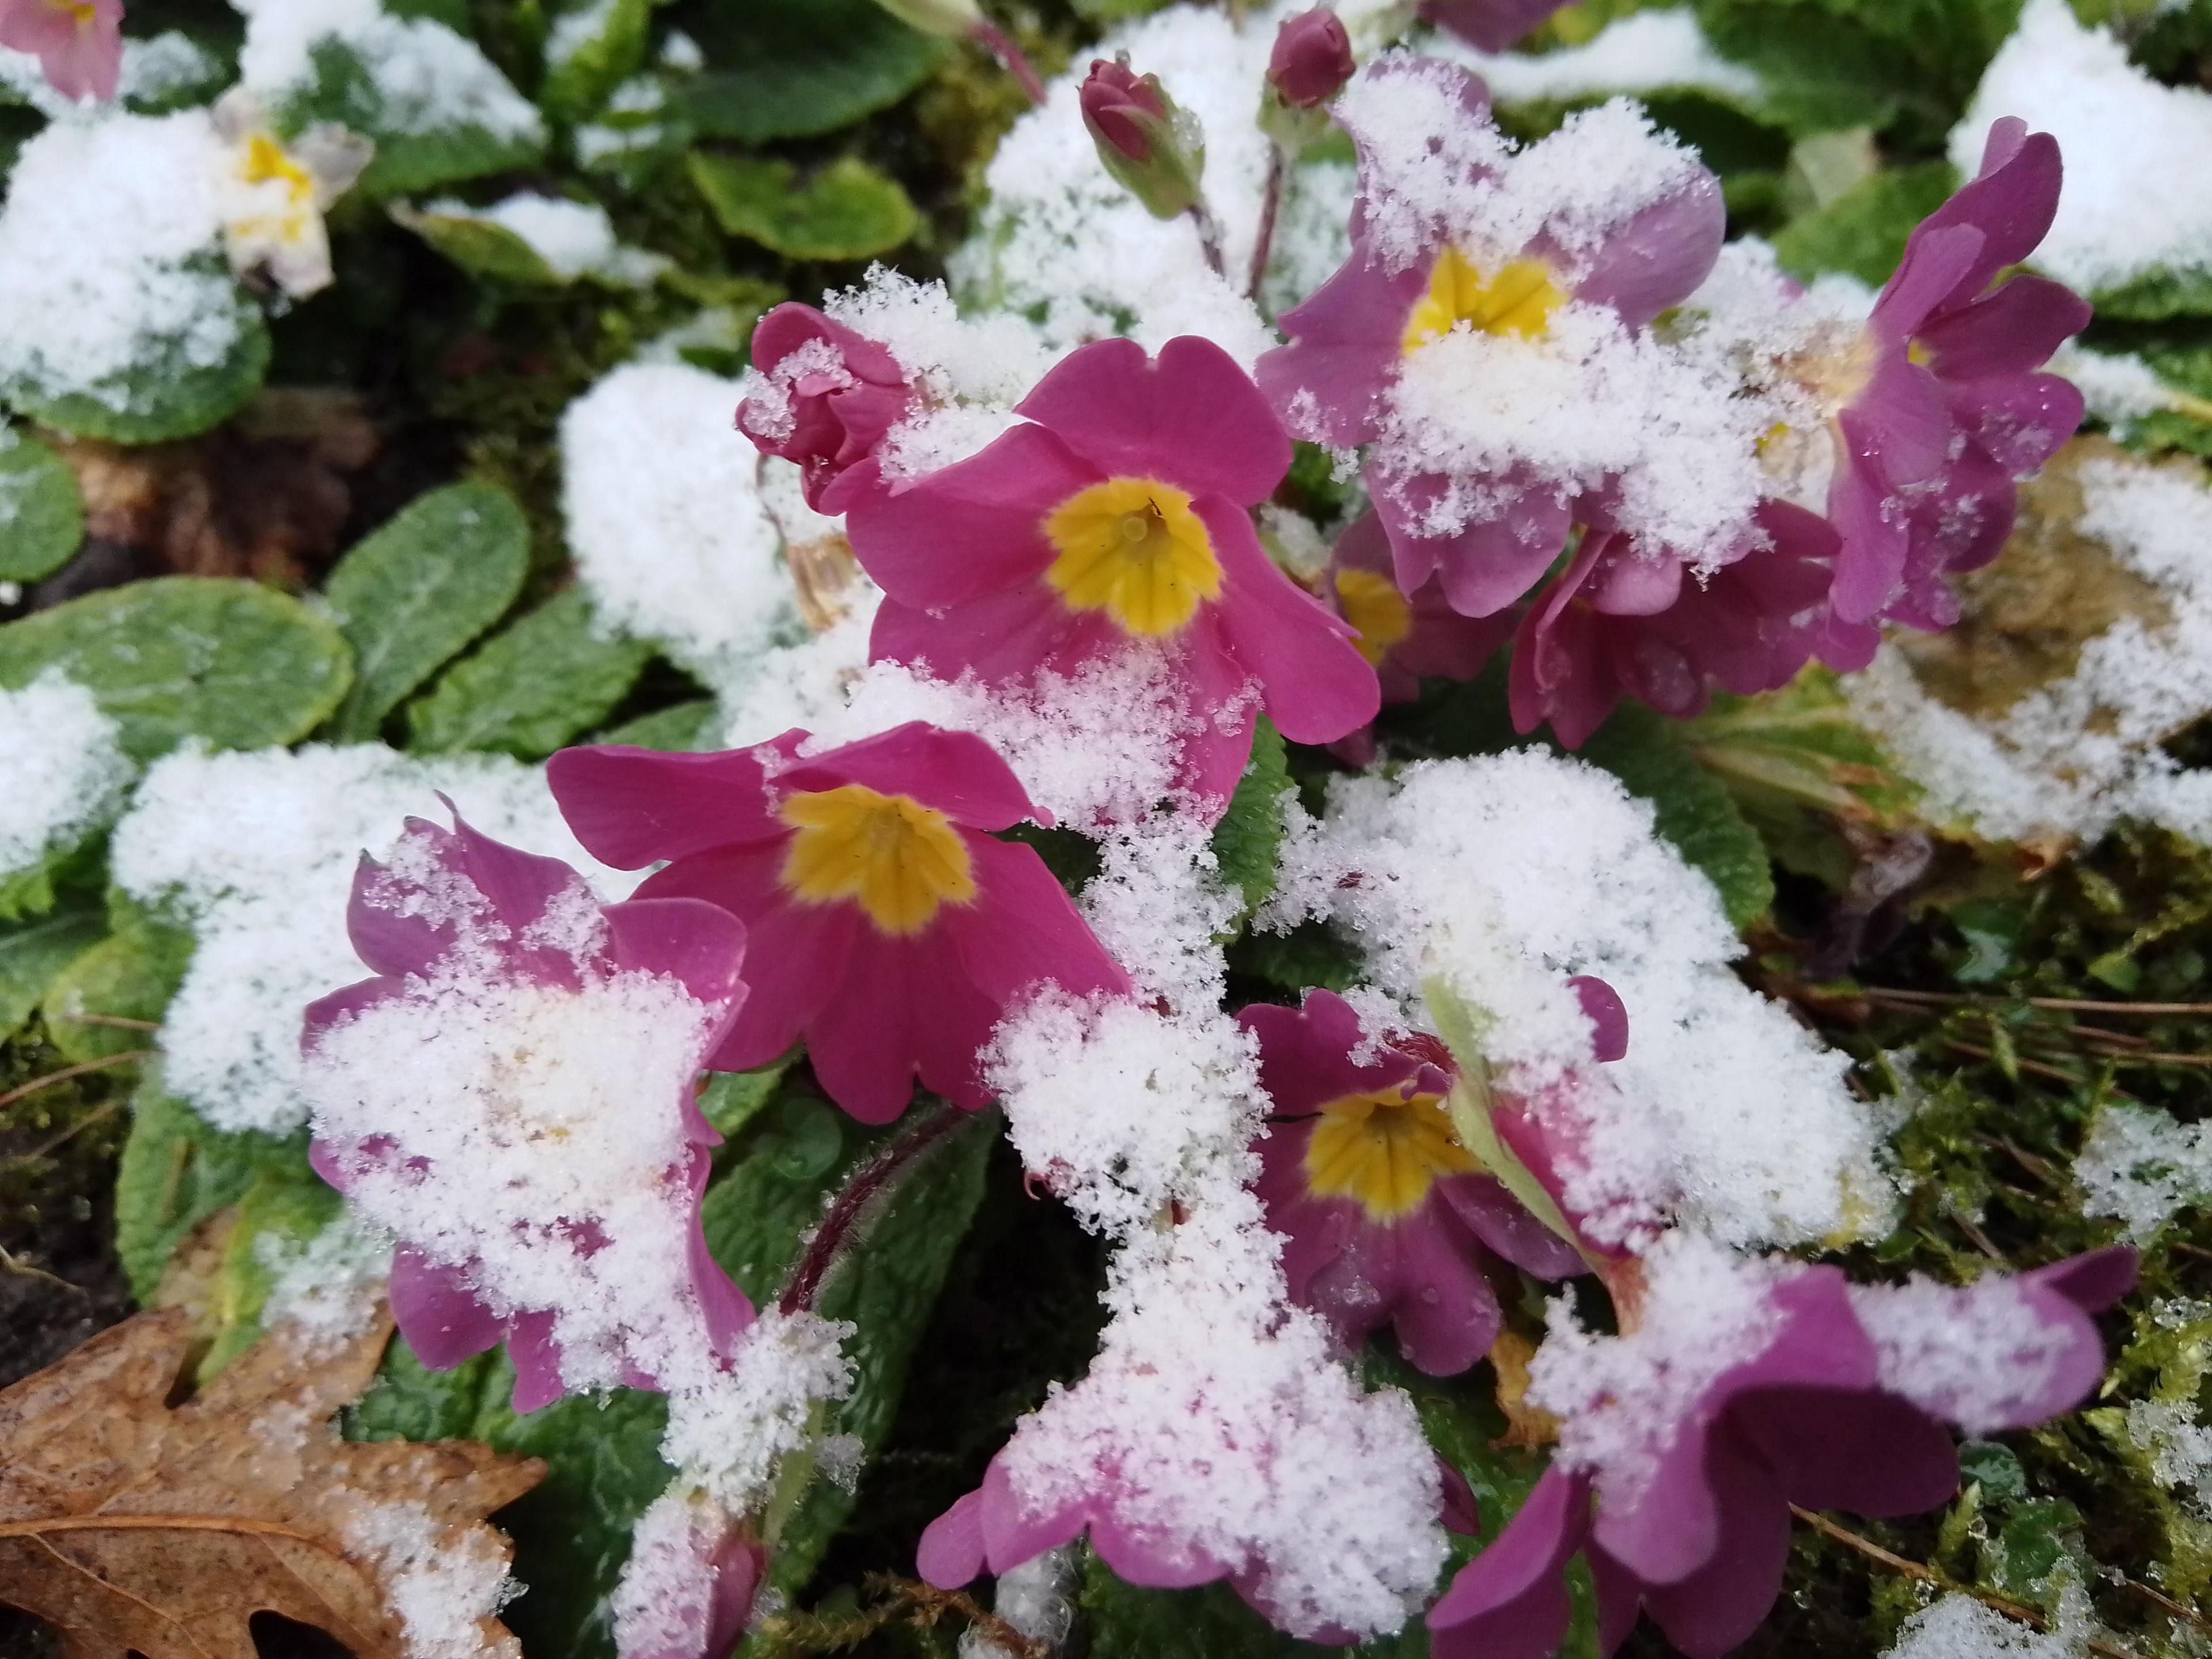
<point x="133" y="1526"/>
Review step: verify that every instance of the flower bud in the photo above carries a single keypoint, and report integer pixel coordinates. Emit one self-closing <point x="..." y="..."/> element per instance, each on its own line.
<point x="1312" y="59"/>
<point x="955" y="20"/>
<point x="1151" y="147"/>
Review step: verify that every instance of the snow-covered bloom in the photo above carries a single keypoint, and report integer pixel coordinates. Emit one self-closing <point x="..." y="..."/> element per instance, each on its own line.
<point x="1406" y="637"/>
<point x="822" y="395"/>
<point x="273" y="192"/>
<point x="687" y="1590"/>
<point x="1114" y="521"/>
<point x="1741" y="1389"/>
<point x="512" y="1097"/>
<point x="79" y="43"/>
<point x="1936" y="405"/>
<point x="898" y="930"/>
<point x="1388" y="1218"/>
<point x="1619" y="622"/>
<point x="1473" y="268"/>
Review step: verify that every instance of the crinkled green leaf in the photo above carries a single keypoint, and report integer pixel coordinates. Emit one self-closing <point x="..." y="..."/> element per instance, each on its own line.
<point x="1863" y="232"/>
<point x="2158" y="297"/>
<point x="481" y="247"/>
<point x="416" y="149"/>
<point x="530" y="687"/>
<point x="168" y="392"/>
<point x="41" y="513"/>
<point x="592" y="49"/>
<point x="239" y="665"/>
<point x="278" y="1215"/>
<point x="32" y="954"/>
<point x="1249" y="837"/>
<point x="176" y="1171"/>
<point x="685" y="728"/>
<point x="130" y="974"/>
<point x="791" y="69"/>
<point x="732" y="1099"/>
<point x="34" y="890"/>
<point x="412" y="595"/>
<point x="1646" y="751"/>
<point x="848" y="210"/>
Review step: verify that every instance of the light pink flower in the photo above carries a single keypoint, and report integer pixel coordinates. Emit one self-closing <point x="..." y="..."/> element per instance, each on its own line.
<point x="79" y="43"/>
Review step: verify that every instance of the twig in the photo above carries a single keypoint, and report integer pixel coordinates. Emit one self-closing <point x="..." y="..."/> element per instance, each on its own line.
<point x="2167" y="1601"/>
<point x="1271" y="202"/>
<point x="1979" y="1239"/>
<point x="69" y="1071"/>
<point x="15" y="1264"/>
<point x="2063" y="1005"/>
<point x="1942" y="1580"/>
<point x="116" y="1020"/>
<point x="845" y="1210"/>
<point x="2027" y="1065"/>
<point x="77" y="1127"/>
<point x="1000" y="45"/>
<point x="932" y="1604"/>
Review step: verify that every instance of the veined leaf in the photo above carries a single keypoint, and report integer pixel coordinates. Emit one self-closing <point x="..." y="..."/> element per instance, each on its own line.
<point x="531" y="687"/>
<point x="848" y="210"/>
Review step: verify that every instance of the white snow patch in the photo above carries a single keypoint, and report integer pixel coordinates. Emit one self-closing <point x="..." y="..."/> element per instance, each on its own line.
<point x="64" y="769"/>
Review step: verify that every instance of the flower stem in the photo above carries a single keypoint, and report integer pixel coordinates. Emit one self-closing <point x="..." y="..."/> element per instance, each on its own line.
<point x="1000" y="45"/>
<point x="1270" y="201"/>
<point x="1209" y="237"/>
<point x="866" y="1184"/>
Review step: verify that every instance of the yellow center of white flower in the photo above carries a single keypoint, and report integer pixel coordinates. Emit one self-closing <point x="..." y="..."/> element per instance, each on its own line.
<point x="1373" y="605"/>
<point x="1383" y="1149"/>
<point x="266" y="159"/>
<point x="897" y="859"/>
<point x="1132" y="548"/>
<point x="1519" y="298"/>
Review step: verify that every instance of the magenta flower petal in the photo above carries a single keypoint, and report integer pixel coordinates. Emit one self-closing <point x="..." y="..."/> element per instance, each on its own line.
<point x="632" y="807"/>
<point x="699" y="945"/>
<point x="976" y="526"/>
<point x="1875" y="1454"/>
<point x="902" y="1010"/>
<point x="2019" y="421"/>
<point x="1658" y="257"/>
<point x="2011" y="201"/>
<point x="1496" y="1218"/>
<point x="1510" y="1601"/>
<point x="1439" y="643"/>
<point x="1484" y="567"/>
<point x="1719" y="1607"/>
<point x="1489" y="25"/>
<point x="443" y="1319"/>
<point x="1143" y="1557"/>
<point x="1003" y="638"/>
<point x="1327" y="385"/>
<point x="1023" y="932"/>
<point x="950" y="1553"/>
<point x="1190" y="416"/>
<point x="2011" y="330"/>
<point x="1936" y="263"/>
<point x="831" y="396"/>
<point x="1317" y="687"/>
<point x="1872" y="560"/>
<point x="1014" y="1532"/>
<point x="1905" y="406"/>
<point x="956" y="772"/>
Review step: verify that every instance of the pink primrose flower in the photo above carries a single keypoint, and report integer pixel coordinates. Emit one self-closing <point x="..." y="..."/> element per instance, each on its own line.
<point x="1841" y="1405"/>
<point x="1619" y="622"/>
<point x="899" y="928"/>
<point x="79" y="43"/>
<point x="1938" y="402"/>
<point x="1114" y="520"/>
<point x="1387" y="1218"/>
<point x="457" y="908"/>
<point x="824" y="396"/>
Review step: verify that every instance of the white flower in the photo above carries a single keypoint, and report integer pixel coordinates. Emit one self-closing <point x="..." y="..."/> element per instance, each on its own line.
<point x="273" y="193"/>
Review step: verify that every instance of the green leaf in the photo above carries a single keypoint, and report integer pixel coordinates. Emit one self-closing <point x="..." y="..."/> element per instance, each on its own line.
<point x="41" y="515"/>
<point x="848" y="210"/>
<point x="792" y="69"/>
<point x="178" y="657"/>
<point x="1250" y="833"/>
<point x="686" y="728"/>
<point x="2158" y="295"/>
<point x="530" y="687"/>
<point x="479" y="125"/>
<point x="1646" y="751"/>
<point x="170" y="392"/>
<point x="32" y="954"/>
<point x="33" y="889"/>
<point x="1123" y="1621"/>
<point x="1311" y="953"/>
<point x="129" y="975"/>
<point x="591" y="50"/>
<point x="412" y="595"/>
<point x="176" y="1171"/>
<point x="282" y="1210"/>
<point x="732" y="1099"/>
<point x="1863" y="230"/>
<point x="480" y="247"/>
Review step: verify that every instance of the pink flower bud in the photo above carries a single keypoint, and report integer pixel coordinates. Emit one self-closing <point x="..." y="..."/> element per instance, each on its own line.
<point x="1122" y="107"/>
<point x="1312" y="59"/>
<point x="1152" y="149"/>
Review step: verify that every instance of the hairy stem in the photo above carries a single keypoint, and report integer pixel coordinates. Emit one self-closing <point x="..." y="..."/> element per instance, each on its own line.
<point x="1271" y="202"/>
<point x="866" y="1184"/>
<point x="1209" y="236"/>
<point x="1001" y="45"/>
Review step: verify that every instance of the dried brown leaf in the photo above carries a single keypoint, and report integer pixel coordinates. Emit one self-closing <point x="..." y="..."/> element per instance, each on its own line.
<point x="133" y="1525"/>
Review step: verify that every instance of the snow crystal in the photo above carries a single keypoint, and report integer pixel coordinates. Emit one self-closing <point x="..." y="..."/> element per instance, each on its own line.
<point x="428" y="78"/>
<point x="111" y="281"/>
<point x="2077" y="753"/>
<point x="574" y="239"/>
<point x="442" y="1582"/>
<point x="1957" y="1627"/>
<point x="2179" y="1444"/>
<point x="575" y="31"/>
<point x="1035" y="1597"/>
<point x="1624" y="1401"/>
<point x="1646" y="52"/>
<point x="256" y="852"/>
<point x="1497" y="879"/>
<point x="171" y="62"/>
<point x="805" y="684"/>
<point x="663" y="507"/>
<point x="2139" y="1165"/>
<point x="2118" y="387"/>
<point x="729" y="1427"/>
<point x="328" y="1287"/>
<point x="2117" y="219"/>
<point x="1981" y="1358"/>
<point x="65" y="770"/>
<point x="1061" y="240"/>
<point x="663" y="1603"/>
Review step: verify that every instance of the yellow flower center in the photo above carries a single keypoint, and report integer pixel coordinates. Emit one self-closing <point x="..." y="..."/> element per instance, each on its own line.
<point x="1132" y="548"/>
<point x="265" y="159"/>
<point x="1519" y="300"/>
<point x="1373" y="605"/>
<point x="83" y="13"/>
<point x="898" y="860"/>
<point x="1383" y="1149"/>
